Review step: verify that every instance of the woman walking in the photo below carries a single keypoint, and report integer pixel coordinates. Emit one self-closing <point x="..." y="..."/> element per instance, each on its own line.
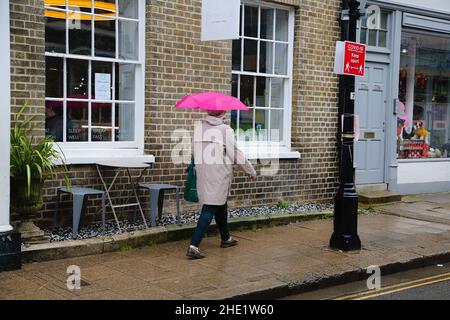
<point x="215" y="152"/>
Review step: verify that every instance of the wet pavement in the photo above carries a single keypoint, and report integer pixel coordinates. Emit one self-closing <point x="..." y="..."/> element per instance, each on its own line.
<point x="265" y="259"/>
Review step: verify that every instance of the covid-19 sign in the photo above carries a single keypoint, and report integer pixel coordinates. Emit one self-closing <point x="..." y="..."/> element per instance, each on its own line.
<point x="350" y="58"/>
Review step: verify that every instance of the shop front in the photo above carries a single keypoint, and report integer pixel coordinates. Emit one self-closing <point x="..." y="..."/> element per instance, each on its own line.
<point x="404" y="99"/>
<point x="103" y="79"/>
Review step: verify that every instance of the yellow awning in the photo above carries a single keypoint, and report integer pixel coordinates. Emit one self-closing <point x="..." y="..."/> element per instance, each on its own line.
<point x="101" y="5"/>
<point x="109" y="8"/>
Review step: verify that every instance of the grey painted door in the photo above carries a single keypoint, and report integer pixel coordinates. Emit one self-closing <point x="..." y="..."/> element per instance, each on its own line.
<point x="371" y="101"/>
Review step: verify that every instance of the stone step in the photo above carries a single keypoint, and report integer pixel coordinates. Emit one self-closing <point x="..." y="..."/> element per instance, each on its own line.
<point x="368" y="188"/>
<point x="378" y="197"/>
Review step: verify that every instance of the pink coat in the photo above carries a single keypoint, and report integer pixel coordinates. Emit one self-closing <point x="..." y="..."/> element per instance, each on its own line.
<point x="215" y="152"/>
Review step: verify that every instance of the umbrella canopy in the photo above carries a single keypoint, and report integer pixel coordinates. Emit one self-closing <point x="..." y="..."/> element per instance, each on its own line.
<point x="211" y="101"/>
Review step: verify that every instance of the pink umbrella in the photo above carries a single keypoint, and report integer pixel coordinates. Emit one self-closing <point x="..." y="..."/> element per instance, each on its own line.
<point x="211" y="101"/>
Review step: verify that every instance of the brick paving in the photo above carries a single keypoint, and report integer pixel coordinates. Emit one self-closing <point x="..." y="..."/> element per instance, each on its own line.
<point x="265" y="259"/>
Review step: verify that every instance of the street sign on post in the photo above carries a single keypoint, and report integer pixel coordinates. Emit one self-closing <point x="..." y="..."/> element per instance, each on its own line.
<point x="350" y="59"/>
<point x="351" y="55"/>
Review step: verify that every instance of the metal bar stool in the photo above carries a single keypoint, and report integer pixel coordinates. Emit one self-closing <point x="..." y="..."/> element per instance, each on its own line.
<point x="79" y="196"/>
<point x="156" y="202"/>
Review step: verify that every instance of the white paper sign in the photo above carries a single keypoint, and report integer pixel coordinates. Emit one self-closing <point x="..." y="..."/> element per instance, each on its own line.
<point x="220" y="19"/>
<point x="356" y="126"/>
<point x="102" y="86"/>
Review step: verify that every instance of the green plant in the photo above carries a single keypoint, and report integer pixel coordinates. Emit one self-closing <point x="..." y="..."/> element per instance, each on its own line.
<point x="32" y="162"/>
<point x="282" y="205"/>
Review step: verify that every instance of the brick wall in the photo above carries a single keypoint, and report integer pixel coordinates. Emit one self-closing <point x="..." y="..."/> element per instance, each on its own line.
<point x="27" y="59"/>
<point x="178" y="63"/>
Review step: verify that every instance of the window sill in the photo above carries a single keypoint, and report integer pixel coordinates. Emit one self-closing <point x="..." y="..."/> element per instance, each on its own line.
<point x="80" y="157"/>
<point x="423" y="160"/>
<point x="270" y="153"/>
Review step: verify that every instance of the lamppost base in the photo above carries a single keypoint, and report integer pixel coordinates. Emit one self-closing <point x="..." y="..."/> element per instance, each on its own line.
<point x="345" y="242"/>
<point x="10" y="251"/>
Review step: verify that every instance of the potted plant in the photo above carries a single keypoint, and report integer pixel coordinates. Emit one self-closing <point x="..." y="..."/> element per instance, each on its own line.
<point x="32" y="163"/>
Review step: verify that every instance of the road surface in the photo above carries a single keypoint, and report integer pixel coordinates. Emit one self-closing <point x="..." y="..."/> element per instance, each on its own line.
<point x="430" y="283"/>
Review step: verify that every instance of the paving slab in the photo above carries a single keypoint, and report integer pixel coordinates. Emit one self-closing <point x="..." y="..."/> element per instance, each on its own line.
<point x="439" y="198"/>
<point x="267" y="263"/>
<point x="423" y="210"/>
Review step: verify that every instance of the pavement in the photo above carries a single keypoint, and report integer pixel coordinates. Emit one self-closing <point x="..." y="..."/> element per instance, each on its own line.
<point x="268" y="262"/>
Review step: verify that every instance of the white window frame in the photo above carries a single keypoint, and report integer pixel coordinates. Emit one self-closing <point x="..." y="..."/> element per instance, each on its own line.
<point x="255" y="149"/>
<point x="377" y="33"/>
<point x="88" y="152"/>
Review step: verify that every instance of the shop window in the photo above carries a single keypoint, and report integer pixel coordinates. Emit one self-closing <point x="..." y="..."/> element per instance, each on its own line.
<point x="423" y="123"/>
<point x="374" y="38"/>
<point x="94" y="71"/>
<point x="262" y="73"/>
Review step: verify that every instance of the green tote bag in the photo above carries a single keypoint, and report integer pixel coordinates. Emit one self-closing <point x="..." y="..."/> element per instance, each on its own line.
<point x="190" y="190"/>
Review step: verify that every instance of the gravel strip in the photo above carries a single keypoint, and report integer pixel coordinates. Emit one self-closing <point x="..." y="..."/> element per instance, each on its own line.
<point x="95" y="230"/>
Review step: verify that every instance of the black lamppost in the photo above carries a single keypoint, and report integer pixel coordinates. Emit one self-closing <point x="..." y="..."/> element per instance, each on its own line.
<point x="345" y="236"/>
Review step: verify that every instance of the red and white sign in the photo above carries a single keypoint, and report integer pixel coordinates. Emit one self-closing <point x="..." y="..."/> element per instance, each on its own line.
<point x="350" y="58"/>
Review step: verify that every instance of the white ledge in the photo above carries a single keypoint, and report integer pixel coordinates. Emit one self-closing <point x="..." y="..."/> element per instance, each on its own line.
<point x="271" y="156"/>
<point x="270" y="153"/>
<point x="79" y="157"/>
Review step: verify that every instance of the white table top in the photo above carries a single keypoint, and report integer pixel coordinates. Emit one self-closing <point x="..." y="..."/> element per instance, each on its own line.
<point x="124" y="164"/>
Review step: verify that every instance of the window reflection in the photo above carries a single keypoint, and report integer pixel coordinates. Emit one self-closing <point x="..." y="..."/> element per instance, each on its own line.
<point x="281" y="52"/>
<point x="266" y="57"/>
<point x="262" y="92"/>
<point x="77" y="79"/>
<point x="250" y="55"/>
<point x="80" y="34"/>
<point x="267" y="23"/>
<point x="125" y="81"/>
<point x="237" y="55"/>
<point x="55" y="34"/>
<point x="128" y="41"/>
<point x="282" y="23"/>
<point x="101" y="122"/>
<point x="128" y="9"/>
<point x="251" y="22"/>
<point x="247" y="90"/>
<point x="54" y="120"/>
<point x="77" y="121"/>
<point x="105" y="38"/>
<point x="125" y="117"/>
<point x="54" y="73"/>
<point x="261" y="124"/>
<point x="423" y="124"/>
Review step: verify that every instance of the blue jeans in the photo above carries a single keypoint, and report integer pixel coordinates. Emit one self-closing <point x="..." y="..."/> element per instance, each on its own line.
<point x="220" y="213"/>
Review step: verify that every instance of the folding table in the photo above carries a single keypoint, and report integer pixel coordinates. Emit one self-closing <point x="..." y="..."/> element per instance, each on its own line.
<point x="118" y="166"/>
